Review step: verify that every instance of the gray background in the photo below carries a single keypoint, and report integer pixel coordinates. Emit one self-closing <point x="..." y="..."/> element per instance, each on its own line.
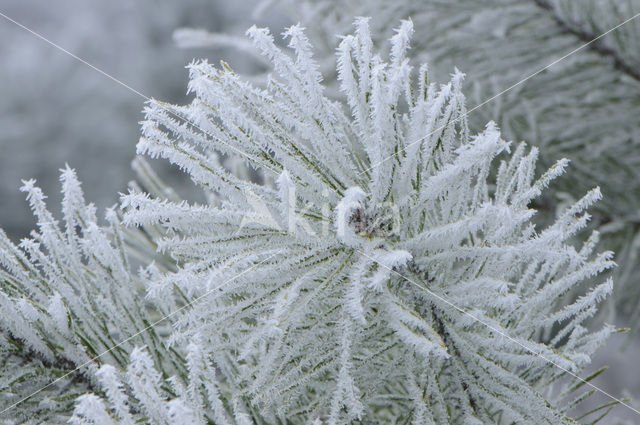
<point x="56" y="110"/>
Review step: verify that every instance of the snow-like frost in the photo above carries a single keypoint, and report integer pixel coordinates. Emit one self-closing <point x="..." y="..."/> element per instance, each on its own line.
<point x="411" y="222"/>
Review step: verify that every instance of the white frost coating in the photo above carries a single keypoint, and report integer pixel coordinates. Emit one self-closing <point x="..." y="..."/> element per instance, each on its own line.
<point x="397" y="258"/>
<point x="353" y="203"/>
<point x="90" y="409"/>
<point x="114" y="389"/>
<point x="458" y="33"/>
<point x="388" y="261"/>
<point x="314" y="325"/>
<point x="327" y="326"/>
<point x="287" y="193"/>
<point x="58" y="313"/>
<point x="72" y="296"/>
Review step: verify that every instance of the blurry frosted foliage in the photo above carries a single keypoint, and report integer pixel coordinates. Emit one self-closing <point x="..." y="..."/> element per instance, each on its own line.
<point x="347" y="285"/>
<point x="54" y="109"/>
<point x="67" y="297"/>
<point x="585" y="108"/>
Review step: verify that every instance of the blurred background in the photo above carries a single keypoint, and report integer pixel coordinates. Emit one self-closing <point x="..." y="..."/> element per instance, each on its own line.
<point x="56" y="110"/>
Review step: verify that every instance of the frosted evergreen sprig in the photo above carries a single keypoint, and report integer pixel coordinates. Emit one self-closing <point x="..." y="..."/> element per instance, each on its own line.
<point x="68" y="301"/>
<point x="584" y="108"/>
<point x="331" y="330"/>
<point x="500" y="42"/>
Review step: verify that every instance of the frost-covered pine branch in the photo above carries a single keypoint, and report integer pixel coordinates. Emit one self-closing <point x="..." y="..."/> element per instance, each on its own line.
<point x="68" y="303"/>
<point x="362" y="276"/>
<point x="584" y="108"/>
